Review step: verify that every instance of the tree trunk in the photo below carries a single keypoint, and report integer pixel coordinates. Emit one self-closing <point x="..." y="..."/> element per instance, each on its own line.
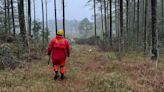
<point x="145" y="28"/>
<point x="138" y="13"/>
<point x="111" y="43"/>
<point x="8" y="11"/>
<point x="5" y="22"/>
<point x="154" y="30"/>
<point x="127" y="21"/>
<point x="34" y="12"/>
<point x="13" y="19"/>
<point x="43" y="23"/>
<point x="134" y="23"/>
<point x="121" y="25"/>
<point x="162" y="14"/>
<point x="34" y="29"/>
<point x="105" y="18"/>
<point x="94" y="4"/>
<point x="29" y="18"/>
<point x="56" y="25"/>
<point x="22" y="23"/>
<point x="102" y="22"/>
<point x="46" y="22"/>
<point x="108" y="20"/>
<point x="116" y="18"/>
<point x="64" y="18"/>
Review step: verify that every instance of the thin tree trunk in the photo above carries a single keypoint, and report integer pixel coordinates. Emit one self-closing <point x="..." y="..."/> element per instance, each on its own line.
<point x="64" y="18"/>
<point x="138" y="13"/>
<point x="108" y="20"/>
<point x="46" y="22"/>
<point x="105" y="18"/>
<point x="5" y="22"/>
<point x="127" y="21"/>
<point x="134" y="22"/>
<point x="43" y="22"/>
<point x="34" y="12"/>
<point x="8" y="11"/>
<point x="56" y="25"/>
<point x="116" y="18"/>
<point x="154" y="30"/>
<point x="121" y="25"/>
<point x="111" y="31"/>
<point x="29" y="18"/>
<point x="102" y="22"/>
<point x="22" y="23"/>
<point x="162" y="14"/>
<point x="13" y="19"/>
<point x="94" y="4"/>
<point x="36" y="35"/>
<point x="145" y="28"/>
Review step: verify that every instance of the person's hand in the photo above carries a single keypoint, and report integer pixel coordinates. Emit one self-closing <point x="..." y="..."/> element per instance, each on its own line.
<point x="49" y="66"/>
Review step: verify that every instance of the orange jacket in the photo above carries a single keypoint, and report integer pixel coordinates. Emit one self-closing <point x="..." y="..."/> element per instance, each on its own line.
<point x="59" y="48"/>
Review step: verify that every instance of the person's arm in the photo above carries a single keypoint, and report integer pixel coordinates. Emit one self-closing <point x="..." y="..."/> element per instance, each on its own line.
<point x="68" y="48"/>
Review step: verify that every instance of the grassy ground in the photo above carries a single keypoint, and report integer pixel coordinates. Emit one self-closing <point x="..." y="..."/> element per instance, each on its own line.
<point x="86" y="71"/>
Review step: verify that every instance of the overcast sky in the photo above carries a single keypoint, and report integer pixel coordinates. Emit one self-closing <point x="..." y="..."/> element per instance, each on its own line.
<point x="75" y="9"/>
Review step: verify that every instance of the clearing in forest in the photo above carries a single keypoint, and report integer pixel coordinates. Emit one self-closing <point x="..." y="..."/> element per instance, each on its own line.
<point x="86" y="71"/>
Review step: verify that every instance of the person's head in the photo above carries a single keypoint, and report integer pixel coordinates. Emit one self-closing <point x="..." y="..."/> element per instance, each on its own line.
<point x="60" y="32"/>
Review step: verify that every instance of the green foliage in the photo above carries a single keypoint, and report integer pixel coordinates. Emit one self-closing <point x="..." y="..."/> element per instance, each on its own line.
<point x="112" y="56"/>
<point x="7" y="57"/>
<point x="85" y="27"/>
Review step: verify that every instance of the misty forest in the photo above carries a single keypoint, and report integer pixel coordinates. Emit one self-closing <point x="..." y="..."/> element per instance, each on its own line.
<point x="119" y="49"/>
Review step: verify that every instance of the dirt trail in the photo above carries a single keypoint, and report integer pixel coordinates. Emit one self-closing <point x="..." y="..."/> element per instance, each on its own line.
<point x="87" y="70"/>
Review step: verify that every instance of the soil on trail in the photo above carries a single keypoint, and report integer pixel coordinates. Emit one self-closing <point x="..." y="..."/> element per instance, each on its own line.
<point x="87" y="70"/>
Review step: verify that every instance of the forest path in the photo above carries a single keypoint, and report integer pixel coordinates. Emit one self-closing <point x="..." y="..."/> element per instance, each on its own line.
<point x="87" y="70"/>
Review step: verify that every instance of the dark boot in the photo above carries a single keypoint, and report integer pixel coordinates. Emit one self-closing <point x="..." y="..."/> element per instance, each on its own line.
<point x="62" y="76"/>
<point x="56" y="75"/>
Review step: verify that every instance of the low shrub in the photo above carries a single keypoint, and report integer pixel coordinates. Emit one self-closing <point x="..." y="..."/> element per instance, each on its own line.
<point x="7" y="58"/>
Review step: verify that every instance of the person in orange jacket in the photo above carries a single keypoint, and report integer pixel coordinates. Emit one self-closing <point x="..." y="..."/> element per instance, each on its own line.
<point x="59" y="49"/>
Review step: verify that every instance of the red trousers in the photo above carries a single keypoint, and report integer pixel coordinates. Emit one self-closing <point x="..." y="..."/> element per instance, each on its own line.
<point x="60" y="63"/>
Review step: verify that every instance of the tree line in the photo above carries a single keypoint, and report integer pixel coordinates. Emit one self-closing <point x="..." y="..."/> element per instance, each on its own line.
<point x="19" y="24"/>
<point x="134" y="25"/>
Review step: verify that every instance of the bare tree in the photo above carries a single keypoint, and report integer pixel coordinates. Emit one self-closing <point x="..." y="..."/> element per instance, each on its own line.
<point x="46" y="21"/>
<point x="134" y="21"/>
<point x="43" y="22"/>
<point x="29" y="18"/>
<point x="22" y="23"/>
<point x="162" y="14"/>
<point x="105" y="18"/>
<point x="138" y="13"/>
<point x="8" y="13"/>
<point x="13" y="18"/>
<point x="102" y="22"/>
<point x="127" y="20"/>
<point x="145" y="28"/>
<point x="5" y="22"/>
<point x="111" y="43"/>
<point x="116" y="18"/>
<point x="55" y="10"/>
<point x="94" y="5"/>
<point x="63" y="2"/>
<point x="121" y="25"/>
<point x="154" y="30"/>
